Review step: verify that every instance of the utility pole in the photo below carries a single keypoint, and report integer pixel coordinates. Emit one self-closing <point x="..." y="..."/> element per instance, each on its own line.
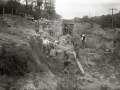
<point x="89" y="14"/>
<point x="112" y="15"/>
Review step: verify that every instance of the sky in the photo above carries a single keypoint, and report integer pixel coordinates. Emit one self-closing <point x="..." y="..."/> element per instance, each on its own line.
<point x="69" y="9"/>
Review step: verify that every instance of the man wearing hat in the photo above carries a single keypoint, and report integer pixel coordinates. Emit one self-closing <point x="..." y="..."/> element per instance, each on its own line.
<point x="83" y="39"/>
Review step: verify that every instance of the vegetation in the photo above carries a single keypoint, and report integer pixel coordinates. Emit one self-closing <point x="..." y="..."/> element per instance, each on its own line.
<point x="105" y="20"/>
<point x="115" y="60"/>
<point x="13" y="60"/>
<point x="17" y="61"/>
<point x="32" y="7"/>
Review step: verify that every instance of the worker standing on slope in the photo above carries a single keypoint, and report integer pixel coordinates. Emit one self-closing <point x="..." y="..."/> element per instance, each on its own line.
<point x="77" y="48"/>
<point x="83" y="39"/>
<point x="45" y="45"/>
<point x="68" y="39"/>
<point x="53" y="54"/>
<point x="66" y="56"/>
<point x="67" y="62"/>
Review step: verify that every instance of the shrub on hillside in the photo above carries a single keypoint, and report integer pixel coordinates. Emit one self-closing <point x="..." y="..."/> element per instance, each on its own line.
<point x="13" y="61"/>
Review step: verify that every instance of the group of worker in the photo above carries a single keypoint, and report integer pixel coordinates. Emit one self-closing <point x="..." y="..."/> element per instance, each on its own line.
<point x="46" y="45"/>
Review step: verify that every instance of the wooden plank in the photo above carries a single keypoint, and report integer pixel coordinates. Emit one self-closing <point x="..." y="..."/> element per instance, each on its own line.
<point x="70" y="27"/>
<point x="79" y="64"/>
<point x="74" y="54"/>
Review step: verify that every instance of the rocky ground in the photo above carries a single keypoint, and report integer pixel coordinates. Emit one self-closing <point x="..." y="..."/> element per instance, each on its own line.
<point x="98" y="72"/>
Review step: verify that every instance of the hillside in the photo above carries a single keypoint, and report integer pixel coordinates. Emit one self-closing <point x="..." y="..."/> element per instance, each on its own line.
<point x="20" y="31"/>
<point x="96" y="37"/>
<point x="15" y="28"/>
<point x="45" y="72"/>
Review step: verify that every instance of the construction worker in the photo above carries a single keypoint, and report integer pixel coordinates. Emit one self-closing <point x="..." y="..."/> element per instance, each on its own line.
<point x="45" y="45"/>
<point x="53" y="54"/>
<point x="66" y="56"/>
<point x="67" y="62"/>
<point x="37" y="27"/>
<point x="83" y="39"/>
<point x="77" y="48"/>
<point x="68" y="39"/>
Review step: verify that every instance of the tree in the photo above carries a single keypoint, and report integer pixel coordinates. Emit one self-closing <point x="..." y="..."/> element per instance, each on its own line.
<point x="9" y="6"/>
<point x="3" y="3"/>
<point x="32" y="7"/>
<point x="50" y="8"/>
<point x="39" y="4"/>
<point x="85" y="19"/>
<point x="26" y="7"/>
<point x="29" y="3"/>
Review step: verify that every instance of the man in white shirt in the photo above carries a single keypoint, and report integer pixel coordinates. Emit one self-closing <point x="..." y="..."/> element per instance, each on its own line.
<point x="45" y="45"/>
<point x="53" y="54"/>
<point x="83" y="39"/>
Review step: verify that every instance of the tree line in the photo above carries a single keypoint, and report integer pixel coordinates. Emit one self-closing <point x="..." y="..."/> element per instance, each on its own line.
<point x="105" y="20"/>
<point x="36" y="8"/>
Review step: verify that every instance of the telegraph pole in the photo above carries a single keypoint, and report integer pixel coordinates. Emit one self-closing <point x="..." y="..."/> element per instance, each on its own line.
<point x="112" y="15"/>
<point x="89" y="14"/>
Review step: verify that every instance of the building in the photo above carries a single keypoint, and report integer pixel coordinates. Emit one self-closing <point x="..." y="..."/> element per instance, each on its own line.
<point x="67" y="26"/>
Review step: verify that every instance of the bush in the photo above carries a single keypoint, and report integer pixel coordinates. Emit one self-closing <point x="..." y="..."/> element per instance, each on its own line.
<point x="13" y="61"/>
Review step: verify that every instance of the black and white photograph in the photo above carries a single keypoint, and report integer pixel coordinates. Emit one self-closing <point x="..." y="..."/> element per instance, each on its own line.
<point x="59" y="44"/>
